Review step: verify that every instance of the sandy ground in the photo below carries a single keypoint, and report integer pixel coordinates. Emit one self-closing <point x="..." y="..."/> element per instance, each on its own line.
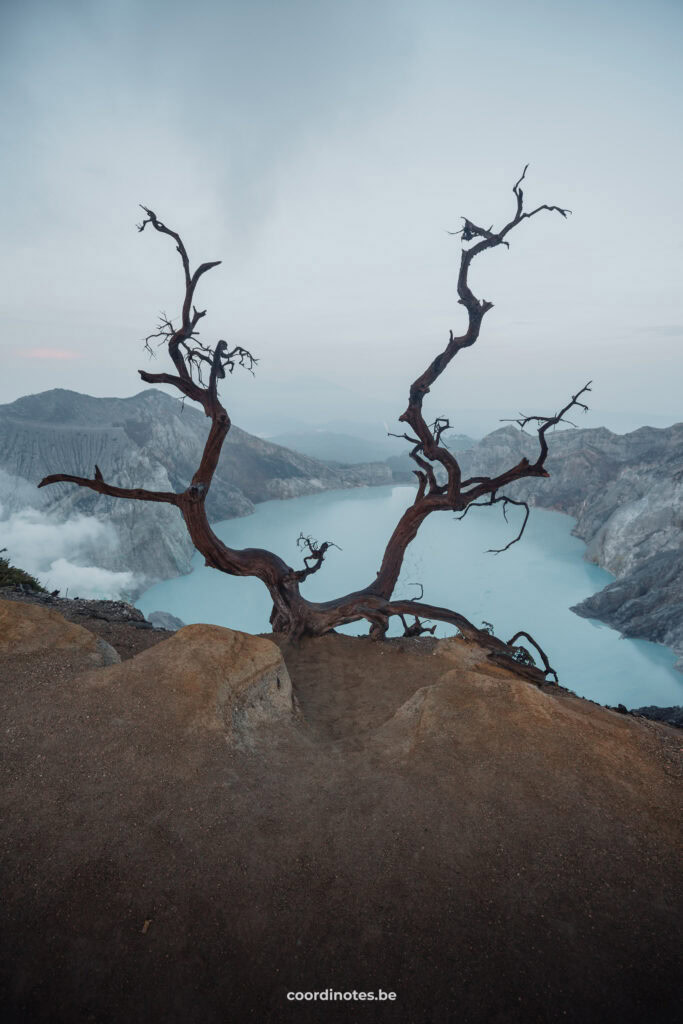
<point x="488" y="851"/>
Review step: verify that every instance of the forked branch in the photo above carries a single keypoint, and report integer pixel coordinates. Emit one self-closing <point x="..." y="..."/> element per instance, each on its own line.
<point x="198" y="370"/>
<point x="505" y="501"/>
<point x="548" y="669"/>
<point x="99" y="485"/>
<point x="551" y="421"/>
<point x="428" y="450"/>
<point x="315" y="557"/>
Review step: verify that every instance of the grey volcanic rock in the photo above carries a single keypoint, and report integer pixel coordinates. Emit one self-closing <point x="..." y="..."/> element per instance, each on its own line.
<point x="164" y="620"/>
<point x="152" y="441"/>
<point x="626" y="493"/>
<point x="646" y="603"/>
<point x="672" y="716"/>
<point x="70" y="607"/>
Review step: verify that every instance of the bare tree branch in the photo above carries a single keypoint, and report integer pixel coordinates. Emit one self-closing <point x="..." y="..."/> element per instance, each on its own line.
<point x="417" y="628"/>
<point x="187" y="387"/>
<point x="495" y="500"/>
<point x="426" y="440"/>
<point x="177" y="338"/>
<point x="199" y="369"/>
<point x="468" y="630"/>
<point x="549" y="671"/>
<point x="315" y="556"/>
<point x="98" y="484"/>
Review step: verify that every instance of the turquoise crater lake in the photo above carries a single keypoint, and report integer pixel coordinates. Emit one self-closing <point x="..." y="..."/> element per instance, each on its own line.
<point x="531" y="586"/>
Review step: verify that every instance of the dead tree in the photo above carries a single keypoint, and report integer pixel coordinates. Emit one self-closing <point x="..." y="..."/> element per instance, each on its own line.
<point x="440" y="487"/>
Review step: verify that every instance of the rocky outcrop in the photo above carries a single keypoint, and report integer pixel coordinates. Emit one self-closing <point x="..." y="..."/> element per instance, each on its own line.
<point x="207" y="677"/>
<point x="177" y="840"/>
<point x="626" y="494"/>
<point x="166" y="621"/>
<point x="645" y="603"/>
<point x="154" y="441"/>
<point x="671" y="716"/>
<point x="76" y="607"/>
<point x="29" y="629"/>
<point x="210" y="678"/>
<point x="120" y="625"/>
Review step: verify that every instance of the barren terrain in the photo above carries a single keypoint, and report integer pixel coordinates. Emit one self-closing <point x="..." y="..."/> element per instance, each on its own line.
<point x="410" y="818"/>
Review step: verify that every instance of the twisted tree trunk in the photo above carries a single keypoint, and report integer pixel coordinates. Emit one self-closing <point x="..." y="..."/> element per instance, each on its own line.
<point x="199" y="367"/>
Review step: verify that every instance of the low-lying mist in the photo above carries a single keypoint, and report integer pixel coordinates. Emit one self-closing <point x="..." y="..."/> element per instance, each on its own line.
<point x="61" y="553"/>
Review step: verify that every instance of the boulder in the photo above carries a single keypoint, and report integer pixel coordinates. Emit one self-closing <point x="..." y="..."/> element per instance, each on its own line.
<point x="164" y="620"/>
<point x="31" y="629"/>
<point x="481" y="730"/>
<point x="208" y="678"/>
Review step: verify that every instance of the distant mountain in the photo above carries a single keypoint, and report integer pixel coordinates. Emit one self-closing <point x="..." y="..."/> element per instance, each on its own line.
<point x="347" y="449"/>
<point x="626" y="493"/>
<point x="340" y="448"/>
<point x="151" y="440"/>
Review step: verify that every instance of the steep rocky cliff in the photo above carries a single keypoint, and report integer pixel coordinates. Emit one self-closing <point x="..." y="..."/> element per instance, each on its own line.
<point x="150" y="440"/>
<point x="626" y="493"/>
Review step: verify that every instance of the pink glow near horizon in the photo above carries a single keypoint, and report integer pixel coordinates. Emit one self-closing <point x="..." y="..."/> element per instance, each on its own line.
<point x="50" y="353"/>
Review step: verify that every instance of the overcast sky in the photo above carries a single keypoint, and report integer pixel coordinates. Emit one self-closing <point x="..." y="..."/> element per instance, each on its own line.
<point x="323" y="150"/>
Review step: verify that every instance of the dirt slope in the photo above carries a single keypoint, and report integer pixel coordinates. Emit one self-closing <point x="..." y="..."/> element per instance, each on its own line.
<point x="421" y="823"/>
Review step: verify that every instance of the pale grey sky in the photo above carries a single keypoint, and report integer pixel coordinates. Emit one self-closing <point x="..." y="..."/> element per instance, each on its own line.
<point x="323" y="150"/>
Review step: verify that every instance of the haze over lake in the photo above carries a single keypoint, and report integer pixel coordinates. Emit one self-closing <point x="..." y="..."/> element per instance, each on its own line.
<point x="530" y="587"/>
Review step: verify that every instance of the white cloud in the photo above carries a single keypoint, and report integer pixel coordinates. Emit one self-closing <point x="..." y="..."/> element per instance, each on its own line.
<point x="61" y="553"/>
<point x="86" y="580"/>
<point x="17" y="493"/>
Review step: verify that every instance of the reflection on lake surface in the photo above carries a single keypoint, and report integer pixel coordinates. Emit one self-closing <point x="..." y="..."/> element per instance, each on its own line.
<point x="531" y="586"/>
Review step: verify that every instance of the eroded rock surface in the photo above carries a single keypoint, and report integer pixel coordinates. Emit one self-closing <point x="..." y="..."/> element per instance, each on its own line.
<point x="646" y="603"/>
<point x="626" y="493"/>
<point x="164" y="620"/>
<point x="32" y="630"/>
<point x="207" y="677"/>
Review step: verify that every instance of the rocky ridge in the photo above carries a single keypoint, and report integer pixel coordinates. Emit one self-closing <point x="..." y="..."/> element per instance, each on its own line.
<point x="626" y="493"/>
<point x="150" y="440"/>
<point x="121" y="626"/>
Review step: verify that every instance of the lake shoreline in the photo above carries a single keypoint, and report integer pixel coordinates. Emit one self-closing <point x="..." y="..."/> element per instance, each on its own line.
<point x="548" y="550"/>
